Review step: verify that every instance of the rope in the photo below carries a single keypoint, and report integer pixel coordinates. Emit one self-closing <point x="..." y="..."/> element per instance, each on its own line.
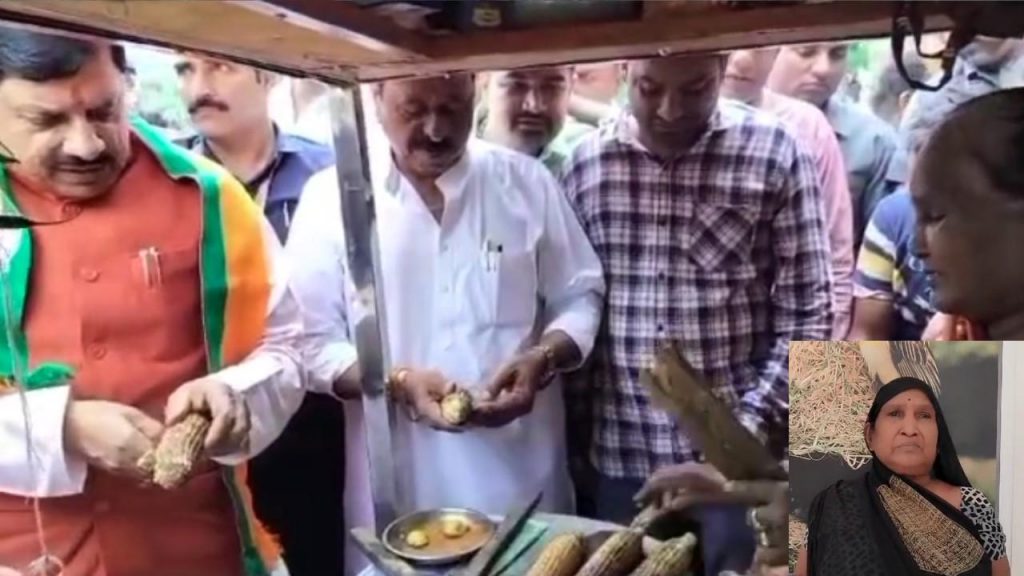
<point x="46" y="563"/>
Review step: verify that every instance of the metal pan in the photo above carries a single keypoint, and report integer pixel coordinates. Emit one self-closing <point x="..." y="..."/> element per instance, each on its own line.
<point x="440" y="549"/>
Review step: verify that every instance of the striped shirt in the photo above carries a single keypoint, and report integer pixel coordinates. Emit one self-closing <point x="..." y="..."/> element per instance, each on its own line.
<point x="888" y="270"/>
<point x="721" y="250"/>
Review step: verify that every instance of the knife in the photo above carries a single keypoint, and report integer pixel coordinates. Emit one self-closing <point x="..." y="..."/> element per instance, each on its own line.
<point x="506" y="534"/>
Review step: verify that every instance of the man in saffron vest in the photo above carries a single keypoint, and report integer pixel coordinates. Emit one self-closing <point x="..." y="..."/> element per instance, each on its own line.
<point x="158" y="292"/>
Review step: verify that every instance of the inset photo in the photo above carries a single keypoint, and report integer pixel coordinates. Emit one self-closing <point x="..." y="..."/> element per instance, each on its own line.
<point x="895" y="459"/>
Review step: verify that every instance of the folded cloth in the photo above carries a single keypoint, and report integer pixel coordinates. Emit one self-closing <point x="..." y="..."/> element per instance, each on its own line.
<point x="532" y="532"/>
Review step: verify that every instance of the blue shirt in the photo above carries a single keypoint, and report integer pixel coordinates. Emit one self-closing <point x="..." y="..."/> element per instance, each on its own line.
<point x="295" y="159"/>
<point x="888" y="269"/>
<point x="868" y="145"/>
<point x="968" y="82"/>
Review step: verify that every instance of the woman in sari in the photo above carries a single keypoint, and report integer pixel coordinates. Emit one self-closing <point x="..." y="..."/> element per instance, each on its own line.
<point x="968" y="191"/>
<point x="914" y="513"/>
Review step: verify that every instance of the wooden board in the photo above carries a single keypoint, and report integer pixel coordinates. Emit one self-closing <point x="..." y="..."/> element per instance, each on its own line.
<point x="336" y="40"/>
<point x="709" y="28"/>
<point x="245" y="31"/>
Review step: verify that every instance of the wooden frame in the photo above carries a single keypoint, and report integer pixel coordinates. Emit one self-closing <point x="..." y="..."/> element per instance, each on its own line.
<point x="336" y="40"/>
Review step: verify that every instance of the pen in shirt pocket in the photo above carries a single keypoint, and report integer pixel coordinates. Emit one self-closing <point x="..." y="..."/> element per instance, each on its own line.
<point x="151" y="273"/>
<point x="492" y="255"/>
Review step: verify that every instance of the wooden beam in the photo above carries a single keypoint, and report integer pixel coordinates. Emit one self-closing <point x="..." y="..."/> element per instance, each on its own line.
<point x="665" y="31"/>
<point x="343" y="20"/>
<point x="714" y="28"/>
<point x="200" y="25"/>
<point x="335" y="40"/>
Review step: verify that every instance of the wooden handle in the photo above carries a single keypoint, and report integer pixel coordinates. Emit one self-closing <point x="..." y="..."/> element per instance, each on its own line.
<point x="678" y="388"/>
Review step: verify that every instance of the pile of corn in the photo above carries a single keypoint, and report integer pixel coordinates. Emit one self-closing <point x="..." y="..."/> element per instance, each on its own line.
<point x="621" y="555"/>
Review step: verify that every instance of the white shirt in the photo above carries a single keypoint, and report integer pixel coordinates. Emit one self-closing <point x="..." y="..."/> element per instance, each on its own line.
<point x="313" y="122"/>
<point x="269" y="380"/>
<point x="453" y="307"/>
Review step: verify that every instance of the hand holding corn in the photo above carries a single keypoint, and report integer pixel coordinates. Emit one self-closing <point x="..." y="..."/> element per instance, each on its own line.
<point x="513" y="389"/>
<point x="180" y="448"/>
<point x="422" y="393"/>
<point x="110" y="436"/>
<point x="678" y="487"/>
<point x="228" y="412"/>
<point x="686" y="485"/>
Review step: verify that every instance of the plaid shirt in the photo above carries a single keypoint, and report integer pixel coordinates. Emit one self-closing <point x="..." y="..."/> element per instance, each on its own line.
<point x="723" y="251"/>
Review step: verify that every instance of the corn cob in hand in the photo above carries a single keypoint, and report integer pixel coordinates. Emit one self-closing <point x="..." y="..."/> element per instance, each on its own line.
<point x="457" y="407"/>
<point x="180" y="447"/>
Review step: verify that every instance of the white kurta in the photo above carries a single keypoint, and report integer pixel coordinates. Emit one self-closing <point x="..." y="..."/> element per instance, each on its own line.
<point x="508" y="262"/>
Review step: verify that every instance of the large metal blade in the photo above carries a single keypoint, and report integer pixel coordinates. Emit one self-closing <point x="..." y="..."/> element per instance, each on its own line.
<point x="370" y="333"/>
<point x="506" y="534"/>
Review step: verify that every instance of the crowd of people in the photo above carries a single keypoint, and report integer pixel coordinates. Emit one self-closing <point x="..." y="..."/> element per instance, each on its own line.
<point x="541" y="231"/>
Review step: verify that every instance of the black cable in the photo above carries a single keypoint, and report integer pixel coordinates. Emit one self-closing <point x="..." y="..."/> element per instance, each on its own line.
<point x="907" y="19"/>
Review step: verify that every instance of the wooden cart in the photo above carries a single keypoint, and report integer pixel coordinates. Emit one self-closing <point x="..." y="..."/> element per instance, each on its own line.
<point x="348" y="42"/>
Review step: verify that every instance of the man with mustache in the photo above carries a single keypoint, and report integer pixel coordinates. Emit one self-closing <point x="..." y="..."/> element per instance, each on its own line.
<point x="228" y="105"/>
<point x="298" y="482"/>
<point x="745" y="79"/>
<point x="707" y="217"/>
<point x="489" y="285"/>
<point x="528" y="111"/>
<point x="158" y="292"/>
<point x="813" y="73"/>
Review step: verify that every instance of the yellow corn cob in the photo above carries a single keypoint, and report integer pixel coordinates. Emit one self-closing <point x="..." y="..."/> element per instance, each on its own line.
<point x="456" y="407"/>
<point x="563" y="556"/>
<point x="618" y="556"/>
<point x="179" y="449"/>
<point x="671" y="559"/>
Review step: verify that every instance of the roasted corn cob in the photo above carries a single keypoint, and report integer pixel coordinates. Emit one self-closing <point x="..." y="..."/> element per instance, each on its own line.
<point x="562" y="556"/>
<point x="672" y="558"/>
<point x="177" y="452"/>
<point x="454" y="527"/>
<point x="618" y="556"/>
<point x="417" y="539"/>
<point x="456" y="407"/>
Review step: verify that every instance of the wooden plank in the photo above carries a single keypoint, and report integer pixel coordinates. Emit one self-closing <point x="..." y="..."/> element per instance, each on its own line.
<point x="656" y="9"/>
<point x="333" y="40"/>
<point x="215" y="27"/>
<point x="710" y="29"/>
<point x="344" y="20"/>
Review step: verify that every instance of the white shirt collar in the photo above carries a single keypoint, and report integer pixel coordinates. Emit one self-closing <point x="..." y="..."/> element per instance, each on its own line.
<point x="451" y="183"/>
